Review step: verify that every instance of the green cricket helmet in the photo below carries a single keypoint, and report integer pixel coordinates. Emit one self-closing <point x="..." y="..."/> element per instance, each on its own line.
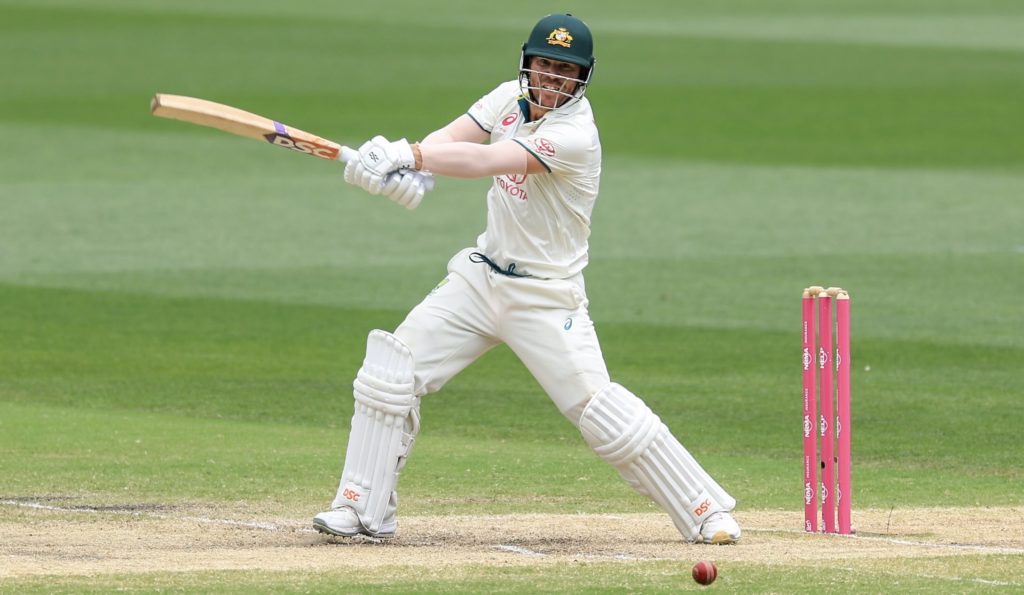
<point x="561" y="37"/>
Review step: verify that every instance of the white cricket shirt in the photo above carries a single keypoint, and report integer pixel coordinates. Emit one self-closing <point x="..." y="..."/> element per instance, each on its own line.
<point x="541" y="222"/>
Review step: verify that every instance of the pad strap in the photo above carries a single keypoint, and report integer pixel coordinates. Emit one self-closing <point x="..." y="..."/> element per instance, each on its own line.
<point x="384" y="427"/>
<point x="624" y="431"/>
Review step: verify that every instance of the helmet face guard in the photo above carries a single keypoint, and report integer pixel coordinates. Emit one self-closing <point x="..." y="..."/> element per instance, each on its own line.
<point x="531" y="92"/>
<point x="564" y="38"/>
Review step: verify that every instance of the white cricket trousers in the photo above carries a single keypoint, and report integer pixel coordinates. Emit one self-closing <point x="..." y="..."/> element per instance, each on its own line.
<point x="544" y="321"/>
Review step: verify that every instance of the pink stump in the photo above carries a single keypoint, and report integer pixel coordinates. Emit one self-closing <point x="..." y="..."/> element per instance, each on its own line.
<point x="843" y="363"/>
<point x="810" y="415"/>
<point x="826" y="425"/>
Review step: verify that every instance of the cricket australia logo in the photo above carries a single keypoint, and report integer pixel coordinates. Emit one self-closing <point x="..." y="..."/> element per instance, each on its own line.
<point x="544" y="146"/>
<point x="560" y="36"/>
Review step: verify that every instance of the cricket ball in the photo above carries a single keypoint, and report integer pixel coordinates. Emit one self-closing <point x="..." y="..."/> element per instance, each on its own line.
<point x="705" y="572"/>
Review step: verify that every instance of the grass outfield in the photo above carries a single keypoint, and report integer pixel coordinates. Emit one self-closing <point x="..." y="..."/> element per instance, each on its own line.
<point x="182" y="311"/>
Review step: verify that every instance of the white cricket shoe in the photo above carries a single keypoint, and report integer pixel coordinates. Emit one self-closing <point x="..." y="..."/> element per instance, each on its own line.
<point x="719" y="529"/>
<point x="345" y="522"/>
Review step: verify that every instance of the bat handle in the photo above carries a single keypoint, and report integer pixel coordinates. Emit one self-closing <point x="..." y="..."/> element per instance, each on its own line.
<point x="348" y="154"/>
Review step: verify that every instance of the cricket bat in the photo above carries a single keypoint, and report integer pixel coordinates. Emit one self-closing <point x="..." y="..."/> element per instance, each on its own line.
<point x="243" y="123"/>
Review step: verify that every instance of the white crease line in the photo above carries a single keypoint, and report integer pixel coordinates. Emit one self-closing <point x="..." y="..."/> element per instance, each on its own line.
<point x="38" y="506"/>
<point x="626" y="557"/>
<point x="249" y="525"/>
<point x="982" y="581"/>
<point x="518" y="550"/>
<point x="993" y="549"/>
<point x="157" y="515"/>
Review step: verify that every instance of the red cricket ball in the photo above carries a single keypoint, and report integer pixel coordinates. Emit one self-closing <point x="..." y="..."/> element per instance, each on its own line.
<point x="705" y="572"/>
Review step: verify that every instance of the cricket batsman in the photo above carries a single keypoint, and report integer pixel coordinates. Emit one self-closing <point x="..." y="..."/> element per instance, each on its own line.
<point x="521" y="284"/>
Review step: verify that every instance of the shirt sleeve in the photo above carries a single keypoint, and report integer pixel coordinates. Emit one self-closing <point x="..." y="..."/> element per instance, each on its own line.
<point x="486" y="111"/>
<point x="564" y="147"/>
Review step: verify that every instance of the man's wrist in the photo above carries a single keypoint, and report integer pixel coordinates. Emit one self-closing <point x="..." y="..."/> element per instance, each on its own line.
<point x="417" y="155"/>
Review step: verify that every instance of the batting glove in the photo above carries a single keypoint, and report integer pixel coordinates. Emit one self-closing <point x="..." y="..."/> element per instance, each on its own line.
<point x="378" y="157"/>
<point x="407" y="187"/>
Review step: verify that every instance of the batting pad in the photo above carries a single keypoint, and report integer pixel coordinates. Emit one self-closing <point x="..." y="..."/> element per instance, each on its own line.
<point x="624" y="431"/>
<point x="384" y="427"/>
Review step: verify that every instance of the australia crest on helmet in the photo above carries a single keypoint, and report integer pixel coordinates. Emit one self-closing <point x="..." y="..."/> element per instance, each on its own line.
<point x="561" y="37"/>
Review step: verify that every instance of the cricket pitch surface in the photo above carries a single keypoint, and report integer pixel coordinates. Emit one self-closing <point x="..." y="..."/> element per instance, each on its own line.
<point x="50" y="537"/>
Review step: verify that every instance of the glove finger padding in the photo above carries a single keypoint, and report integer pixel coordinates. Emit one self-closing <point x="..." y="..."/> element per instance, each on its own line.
<point x="391" y="184"/>
<point x="406" y="188"/>
<point x="357" y="175"/>
<point x="416" y="192"/>
<point x="350" y="172"/>
<point x="370" y="181"/>
<point x="406" y="191"/>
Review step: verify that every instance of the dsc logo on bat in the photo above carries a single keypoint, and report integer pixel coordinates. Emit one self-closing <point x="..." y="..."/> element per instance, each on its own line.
<point x="302" y="146"/>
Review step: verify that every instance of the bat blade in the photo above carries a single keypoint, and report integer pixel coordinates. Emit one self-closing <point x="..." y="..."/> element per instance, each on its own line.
<point x="242" y="123"/>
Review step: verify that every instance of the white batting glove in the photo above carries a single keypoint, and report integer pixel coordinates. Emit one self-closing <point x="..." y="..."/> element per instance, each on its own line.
<point x="378" y="157"/>
<point x="355" y="173"/>
<point x="407" y="187"/>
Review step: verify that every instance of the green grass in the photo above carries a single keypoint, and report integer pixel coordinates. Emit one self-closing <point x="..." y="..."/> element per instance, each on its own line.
<point x="965" y="575"/>
<point x="182" y="311"/>
<point x="166" y="364"/>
